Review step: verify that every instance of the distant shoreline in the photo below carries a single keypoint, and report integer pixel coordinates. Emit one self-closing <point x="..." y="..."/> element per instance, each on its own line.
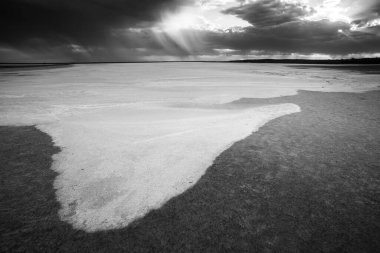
<point x="288" y="61"/>
<point x="305" y="61"/>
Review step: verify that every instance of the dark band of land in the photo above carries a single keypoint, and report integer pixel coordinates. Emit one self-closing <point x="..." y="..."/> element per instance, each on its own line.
<point x="305" y="182"/>
<point x="352" y="61"/>
<point x="311" y="61"/>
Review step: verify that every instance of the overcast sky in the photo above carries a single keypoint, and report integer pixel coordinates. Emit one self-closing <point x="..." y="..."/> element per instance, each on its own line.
<point x="141" y="30"/>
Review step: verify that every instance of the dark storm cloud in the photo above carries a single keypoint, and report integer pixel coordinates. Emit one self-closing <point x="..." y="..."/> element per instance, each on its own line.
<point x="56" y="24"/>
<point x="300" y="37"/>
<point x="304" y="37"/>
<point x="281" y="27"/>
<point x="117" y="30"/>
<point x="269" y="12"/>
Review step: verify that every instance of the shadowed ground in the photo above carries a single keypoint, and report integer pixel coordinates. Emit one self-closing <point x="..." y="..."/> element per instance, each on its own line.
<point x="306" y="182"/>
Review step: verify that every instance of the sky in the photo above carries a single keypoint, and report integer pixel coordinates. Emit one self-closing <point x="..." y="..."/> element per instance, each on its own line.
<point x="147" y="30"/>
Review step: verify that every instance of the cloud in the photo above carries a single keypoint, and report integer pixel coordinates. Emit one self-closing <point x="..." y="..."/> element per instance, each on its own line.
<point x="302" y="37"/>
<point x="119" y="30"/>
<point x="366" y="12"/>
<point x="31" y="24"/>
<point x="283" y="27"/>
<point x="266" y="13"/>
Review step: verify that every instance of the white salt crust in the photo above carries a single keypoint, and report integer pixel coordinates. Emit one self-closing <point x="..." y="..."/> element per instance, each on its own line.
<point x="115" y="170"/>
<point x="135" y="135"/>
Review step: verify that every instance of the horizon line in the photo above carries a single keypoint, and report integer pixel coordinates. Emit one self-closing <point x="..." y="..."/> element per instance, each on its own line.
<point x="376" y="59"/>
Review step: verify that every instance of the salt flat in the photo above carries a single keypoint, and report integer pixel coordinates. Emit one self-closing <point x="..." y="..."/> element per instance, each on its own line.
<point x="136" y="135"/>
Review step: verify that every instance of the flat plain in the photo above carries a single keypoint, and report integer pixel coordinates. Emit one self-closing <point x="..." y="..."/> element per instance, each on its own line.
<point x="305" y="182"/>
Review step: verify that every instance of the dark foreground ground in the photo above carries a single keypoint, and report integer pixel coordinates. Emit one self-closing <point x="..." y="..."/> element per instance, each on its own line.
<point x="306" y="182"/>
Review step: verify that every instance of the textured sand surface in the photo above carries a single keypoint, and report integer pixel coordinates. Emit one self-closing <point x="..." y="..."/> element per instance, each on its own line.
<point x="305" y="182"/>
<point x="131" y="140"/>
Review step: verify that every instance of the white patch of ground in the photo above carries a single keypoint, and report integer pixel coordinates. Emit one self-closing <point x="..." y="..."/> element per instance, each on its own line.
<point x="135" y="135"/>
<point x="118" y="165"/>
